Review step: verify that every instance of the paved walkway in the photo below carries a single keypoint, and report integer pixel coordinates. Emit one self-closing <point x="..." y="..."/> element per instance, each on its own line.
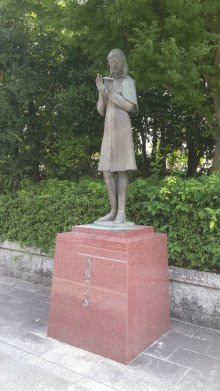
<point x="187" y="358"/>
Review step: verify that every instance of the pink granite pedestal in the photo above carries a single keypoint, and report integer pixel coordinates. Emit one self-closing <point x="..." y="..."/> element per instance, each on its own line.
<point x="110" y="290"/>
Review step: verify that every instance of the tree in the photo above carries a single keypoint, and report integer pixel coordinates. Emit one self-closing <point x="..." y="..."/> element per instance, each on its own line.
<point x="169" y="128"/>
<point x="27" y="88"/>
<point x="180" y="48"/>
<point x="172" y="44"/>
<point x="47" y="96"/>
<point x="50" y="53"/>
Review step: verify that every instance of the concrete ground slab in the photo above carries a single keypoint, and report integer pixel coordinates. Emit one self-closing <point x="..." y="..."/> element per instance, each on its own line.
<point x="187" y="358"/>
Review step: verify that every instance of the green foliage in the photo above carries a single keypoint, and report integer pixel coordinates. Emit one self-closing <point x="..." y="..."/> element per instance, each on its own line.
<point x="47" y="97"/>
<point x="51" y="51"/>
<point x="187" y="210"/>
<point x="174" y="133"/>
<point x="34" y="214"/>
<point x="171" y="45"/>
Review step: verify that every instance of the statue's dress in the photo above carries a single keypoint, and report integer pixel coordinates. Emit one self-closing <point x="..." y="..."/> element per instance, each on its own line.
<point x="117" y="151"/>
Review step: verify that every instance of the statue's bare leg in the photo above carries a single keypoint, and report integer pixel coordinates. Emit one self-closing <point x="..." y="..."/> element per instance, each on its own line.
<point x="122" y="187"/>
<point x="111" y="184"/>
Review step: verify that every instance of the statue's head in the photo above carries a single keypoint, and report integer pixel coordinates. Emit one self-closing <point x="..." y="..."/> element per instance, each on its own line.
<point x="117" y="62"/>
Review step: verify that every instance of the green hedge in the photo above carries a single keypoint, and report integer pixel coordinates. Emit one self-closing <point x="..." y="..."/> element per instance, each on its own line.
<point x="187" y="210"/>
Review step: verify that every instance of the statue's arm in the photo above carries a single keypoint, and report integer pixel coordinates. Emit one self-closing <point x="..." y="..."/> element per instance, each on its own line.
<point x="101" y="105"/>
<point x="127" y="100"/>
<point x="121" y="102"/>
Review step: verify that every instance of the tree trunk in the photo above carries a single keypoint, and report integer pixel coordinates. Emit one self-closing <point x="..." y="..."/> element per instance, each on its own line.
<point x="216" y="101"/>
<point x="163" y="152"/>
<point x="35" y="164"/>
<point x="193" y="160"/>
<point x="154" y="145"/>
<point x="144" y="155"/>
<point x="36" y="172"/>
<point x="216" y="158"/>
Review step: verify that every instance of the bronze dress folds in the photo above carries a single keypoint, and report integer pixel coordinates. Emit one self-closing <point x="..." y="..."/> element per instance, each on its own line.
<point x="117" y="151"/>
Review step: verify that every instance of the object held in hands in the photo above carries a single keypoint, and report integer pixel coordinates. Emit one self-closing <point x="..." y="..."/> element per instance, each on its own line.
<point x="108" y="82"/>
<point x="107" y="79"/>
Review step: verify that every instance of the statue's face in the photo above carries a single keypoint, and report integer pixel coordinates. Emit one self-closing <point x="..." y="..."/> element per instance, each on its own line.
<point x="115" y="64"/>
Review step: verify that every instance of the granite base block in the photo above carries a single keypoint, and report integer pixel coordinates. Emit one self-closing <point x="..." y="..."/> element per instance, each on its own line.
<point x="110" y="291"/>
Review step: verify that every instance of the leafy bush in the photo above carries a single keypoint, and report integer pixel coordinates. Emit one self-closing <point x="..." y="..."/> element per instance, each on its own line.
<point x="187" y="210"/>
<point x="34" y="214"/>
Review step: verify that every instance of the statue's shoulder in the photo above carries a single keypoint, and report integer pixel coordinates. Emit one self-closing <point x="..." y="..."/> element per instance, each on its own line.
<point x="128" y="82"/>
<point x="128" y="79"/>
<point x="129" y="90"/>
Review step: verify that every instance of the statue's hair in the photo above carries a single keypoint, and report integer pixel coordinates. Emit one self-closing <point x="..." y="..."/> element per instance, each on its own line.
<point x="123" y="58"/>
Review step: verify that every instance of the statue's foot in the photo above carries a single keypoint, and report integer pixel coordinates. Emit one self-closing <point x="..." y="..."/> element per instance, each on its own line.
<point x="109" y="217"/>
<point x="120" y="218"/>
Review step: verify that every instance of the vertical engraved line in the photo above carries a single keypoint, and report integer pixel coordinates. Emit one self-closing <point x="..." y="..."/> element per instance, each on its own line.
<point x="87" y="280"/>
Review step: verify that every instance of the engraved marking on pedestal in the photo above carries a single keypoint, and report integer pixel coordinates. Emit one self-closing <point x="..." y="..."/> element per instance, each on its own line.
<point x="87" y="280"/>
<point x="105" y="258"/>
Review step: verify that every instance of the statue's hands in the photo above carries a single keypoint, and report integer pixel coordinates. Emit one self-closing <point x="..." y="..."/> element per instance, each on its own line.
<point x="99" y="84"/>
<point x="109" y="86"/>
